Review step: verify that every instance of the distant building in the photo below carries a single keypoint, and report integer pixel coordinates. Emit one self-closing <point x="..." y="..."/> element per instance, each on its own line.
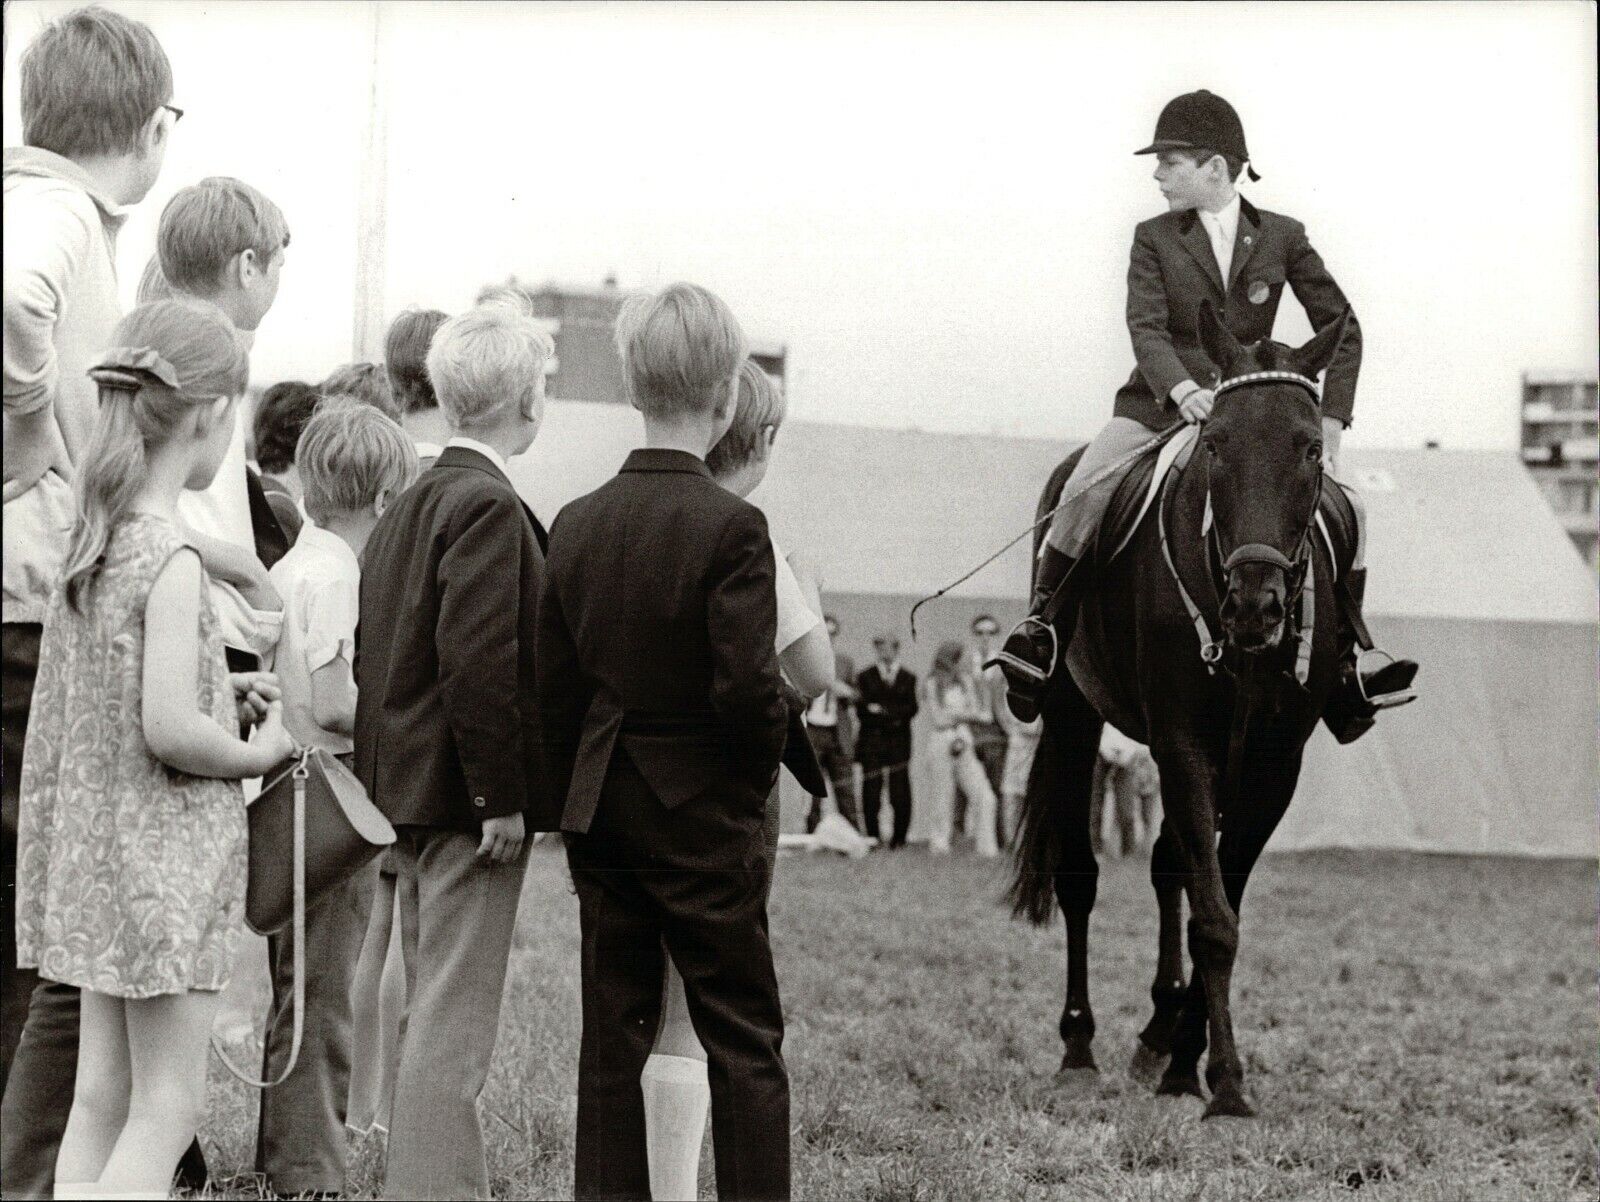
<point x="1560" y="445"/>
<point x="582" y="318"/>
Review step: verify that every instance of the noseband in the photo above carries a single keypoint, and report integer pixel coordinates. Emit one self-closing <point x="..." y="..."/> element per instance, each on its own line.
<point x="1293" y="567"/>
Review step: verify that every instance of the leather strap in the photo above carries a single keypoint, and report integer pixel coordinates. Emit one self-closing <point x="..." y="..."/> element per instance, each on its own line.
<point x="301" y="772"/>
<point x="1210" y="649"/>
<point x="1353" y="615"/>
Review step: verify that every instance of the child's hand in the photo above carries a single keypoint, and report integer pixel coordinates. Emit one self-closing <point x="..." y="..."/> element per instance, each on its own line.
<point x="273" y="744"/>
<point x="502" y="838"/>
<point x="1196" y="406"/>
<point x="254" y="691"/>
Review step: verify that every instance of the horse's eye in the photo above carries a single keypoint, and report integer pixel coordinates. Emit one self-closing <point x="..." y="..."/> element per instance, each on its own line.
<point x="1314" y="452"/>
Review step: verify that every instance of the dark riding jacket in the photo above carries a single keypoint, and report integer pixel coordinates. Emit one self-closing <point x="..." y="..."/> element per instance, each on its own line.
<point x="1172" y="270"/>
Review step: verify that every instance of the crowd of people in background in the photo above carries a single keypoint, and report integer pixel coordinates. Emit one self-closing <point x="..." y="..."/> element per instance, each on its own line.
<point x="976" y="754"/>
<point x="194" y="594"/>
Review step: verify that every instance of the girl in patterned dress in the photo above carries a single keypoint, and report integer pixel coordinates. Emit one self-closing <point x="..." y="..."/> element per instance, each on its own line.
<point x="131" y="847"/>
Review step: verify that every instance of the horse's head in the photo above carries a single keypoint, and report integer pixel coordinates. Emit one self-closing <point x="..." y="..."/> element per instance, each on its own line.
<point x="1262" y="448"/>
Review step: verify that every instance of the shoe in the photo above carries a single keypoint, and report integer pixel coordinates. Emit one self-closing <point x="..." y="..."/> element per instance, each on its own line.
<point x="1353" y="707"/>
<point x="1028" y="656"/>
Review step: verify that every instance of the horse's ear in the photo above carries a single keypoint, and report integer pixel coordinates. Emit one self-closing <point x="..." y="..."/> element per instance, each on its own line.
<point x="1319" y="352"/>
<point x="1218" y="342"/>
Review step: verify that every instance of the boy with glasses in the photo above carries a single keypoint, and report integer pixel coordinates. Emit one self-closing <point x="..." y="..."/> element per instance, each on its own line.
<point x="96" y="92"/>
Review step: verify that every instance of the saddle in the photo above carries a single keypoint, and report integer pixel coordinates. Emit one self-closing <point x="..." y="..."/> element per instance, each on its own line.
<point x="1139" y="490"/>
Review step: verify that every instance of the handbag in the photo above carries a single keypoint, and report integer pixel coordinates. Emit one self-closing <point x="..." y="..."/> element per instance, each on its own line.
<point x="311" y="827"/>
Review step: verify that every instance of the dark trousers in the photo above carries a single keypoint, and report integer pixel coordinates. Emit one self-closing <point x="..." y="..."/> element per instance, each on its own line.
<point x="840" y="771"/>
<point x="301" y="1143"/>
<point x="872" y="780"/>
<point x="695" y="880"/>
<point x="40" y="1031"/>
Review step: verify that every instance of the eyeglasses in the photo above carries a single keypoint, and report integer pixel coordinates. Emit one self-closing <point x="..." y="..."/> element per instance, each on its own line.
<point x="985" y="632"/>
<point x="177" y="113"/>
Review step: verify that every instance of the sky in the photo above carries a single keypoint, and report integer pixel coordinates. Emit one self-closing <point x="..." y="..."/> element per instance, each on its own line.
<point x="931" y="206"/>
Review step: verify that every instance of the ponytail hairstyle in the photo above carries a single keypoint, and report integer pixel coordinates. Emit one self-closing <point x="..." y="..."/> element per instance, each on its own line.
<point x="166" y="358"/>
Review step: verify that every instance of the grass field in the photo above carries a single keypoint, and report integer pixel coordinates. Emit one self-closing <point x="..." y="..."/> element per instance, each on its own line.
<point x="1413" y="1027"/>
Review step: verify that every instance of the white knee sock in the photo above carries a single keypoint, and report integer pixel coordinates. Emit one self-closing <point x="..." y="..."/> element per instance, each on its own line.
<point x="75" y="1191"/>
<point x="677" y="1097"/>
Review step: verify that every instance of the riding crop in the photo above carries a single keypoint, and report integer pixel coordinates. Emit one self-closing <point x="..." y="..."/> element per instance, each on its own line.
<point x="1099" y="476"/>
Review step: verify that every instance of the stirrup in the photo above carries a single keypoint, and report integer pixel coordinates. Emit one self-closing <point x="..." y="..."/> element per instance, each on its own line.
<point x="1004" y="659"/>
<point x="1380" y="701"/>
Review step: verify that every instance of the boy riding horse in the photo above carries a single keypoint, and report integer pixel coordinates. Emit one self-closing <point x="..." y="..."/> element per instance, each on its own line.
<point x="1213" y="245"/>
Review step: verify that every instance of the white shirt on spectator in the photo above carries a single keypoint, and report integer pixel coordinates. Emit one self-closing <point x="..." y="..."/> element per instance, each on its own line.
<point x="320" y="582"/>
<point x="795" y="619"/>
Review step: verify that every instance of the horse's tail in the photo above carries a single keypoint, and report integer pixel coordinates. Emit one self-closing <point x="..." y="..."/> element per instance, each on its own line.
<point x="1043" y="827"/>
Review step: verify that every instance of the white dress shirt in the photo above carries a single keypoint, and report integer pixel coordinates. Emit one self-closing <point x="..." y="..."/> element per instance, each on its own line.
<point x="1221" y="228"/>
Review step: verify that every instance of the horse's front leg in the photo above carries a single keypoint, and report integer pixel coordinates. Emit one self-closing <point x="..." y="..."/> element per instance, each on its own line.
<point x="1154" y="1045"/>
<point x="1188" y="786"/>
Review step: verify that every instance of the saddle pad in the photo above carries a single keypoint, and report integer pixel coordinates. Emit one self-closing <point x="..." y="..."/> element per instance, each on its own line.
<point x="1137" y="492"/>
<point x="1339" y="526"/>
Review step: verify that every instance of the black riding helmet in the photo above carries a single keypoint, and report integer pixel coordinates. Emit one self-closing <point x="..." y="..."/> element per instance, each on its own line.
<point x="1200" y="121"/>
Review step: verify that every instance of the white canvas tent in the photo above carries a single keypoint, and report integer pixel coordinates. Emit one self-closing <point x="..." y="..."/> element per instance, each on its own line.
<point x="1471" y="574"/>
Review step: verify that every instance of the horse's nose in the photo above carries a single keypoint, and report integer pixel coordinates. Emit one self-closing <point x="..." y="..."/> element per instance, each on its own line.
<point x="1253" y="614"/>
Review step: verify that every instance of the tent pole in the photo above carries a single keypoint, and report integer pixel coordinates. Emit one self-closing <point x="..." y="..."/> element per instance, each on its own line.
<point x="371" y="210"/>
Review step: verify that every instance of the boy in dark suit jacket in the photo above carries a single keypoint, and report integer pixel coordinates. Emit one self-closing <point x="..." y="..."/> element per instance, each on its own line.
<point x="665" y="723"/>
<point x="446" y="736"/>
<point x="1212" y="246"/>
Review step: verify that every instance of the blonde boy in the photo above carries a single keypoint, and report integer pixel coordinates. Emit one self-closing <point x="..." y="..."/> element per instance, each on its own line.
<point x="353" y="462"/>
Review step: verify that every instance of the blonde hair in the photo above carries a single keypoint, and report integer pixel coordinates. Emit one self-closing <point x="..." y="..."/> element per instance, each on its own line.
<point x="206" y="225"/>
<point x="348" y="454"/>
<point x="90" y="81"/>
<point x="761" y="406"/>
<point x="679" y="348"/>
<point x="165" y="359"/>
<point x="484" y="360"/>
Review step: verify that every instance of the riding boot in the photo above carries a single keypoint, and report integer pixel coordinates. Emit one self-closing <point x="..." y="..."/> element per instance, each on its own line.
<point x="1354" y="704"/>
<point x="1029" y="654"/>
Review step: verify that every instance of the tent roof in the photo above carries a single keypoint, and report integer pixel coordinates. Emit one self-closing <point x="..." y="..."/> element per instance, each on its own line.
<point x="1463" y="534"/>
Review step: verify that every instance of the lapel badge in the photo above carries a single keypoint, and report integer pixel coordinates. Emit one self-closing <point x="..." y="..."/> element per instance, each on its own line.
<point x="1259" y="292"/>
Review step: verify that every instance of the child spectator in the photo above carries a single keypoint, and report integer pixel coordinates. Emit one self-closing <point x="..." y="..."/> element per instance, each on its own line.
<point x="281" y="415"/>
<point x="405" y="355"/>
<point x="131" y="848"/>
<point x="365" y="382"/>
<point x="677" y="1091"/>
<point x="223" y="242"/>
<point x="353" y="462"/>
<point x="97" y="113"/>
<point x="446" y="734"/>
<point x="665" y="721"/>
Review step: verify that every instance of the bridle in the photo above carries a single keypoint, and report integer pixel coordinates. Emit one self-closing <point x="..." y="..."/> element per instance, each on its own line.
<point x="1297" y="569"/>
<point x="1293" y="566"/>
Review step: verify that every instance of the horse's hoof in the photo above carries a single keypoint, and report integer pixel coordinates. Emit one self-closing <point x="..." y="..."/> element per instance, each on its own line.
<point x="1229" y="1104"/>
<point x="1180" y="1085"/>
<point x="1147" y="1064"/>
<point x="1077" y="1081"/>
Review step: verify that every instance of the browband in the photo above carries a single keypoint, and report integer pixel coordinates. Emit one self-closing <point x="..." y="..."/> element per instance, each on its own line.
<point x="1270" y="377"/>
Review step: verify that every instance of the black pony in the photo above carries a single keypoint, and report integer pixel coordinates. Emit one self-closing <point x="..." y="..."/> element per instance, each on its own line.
<point x="1189" y="640"/>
